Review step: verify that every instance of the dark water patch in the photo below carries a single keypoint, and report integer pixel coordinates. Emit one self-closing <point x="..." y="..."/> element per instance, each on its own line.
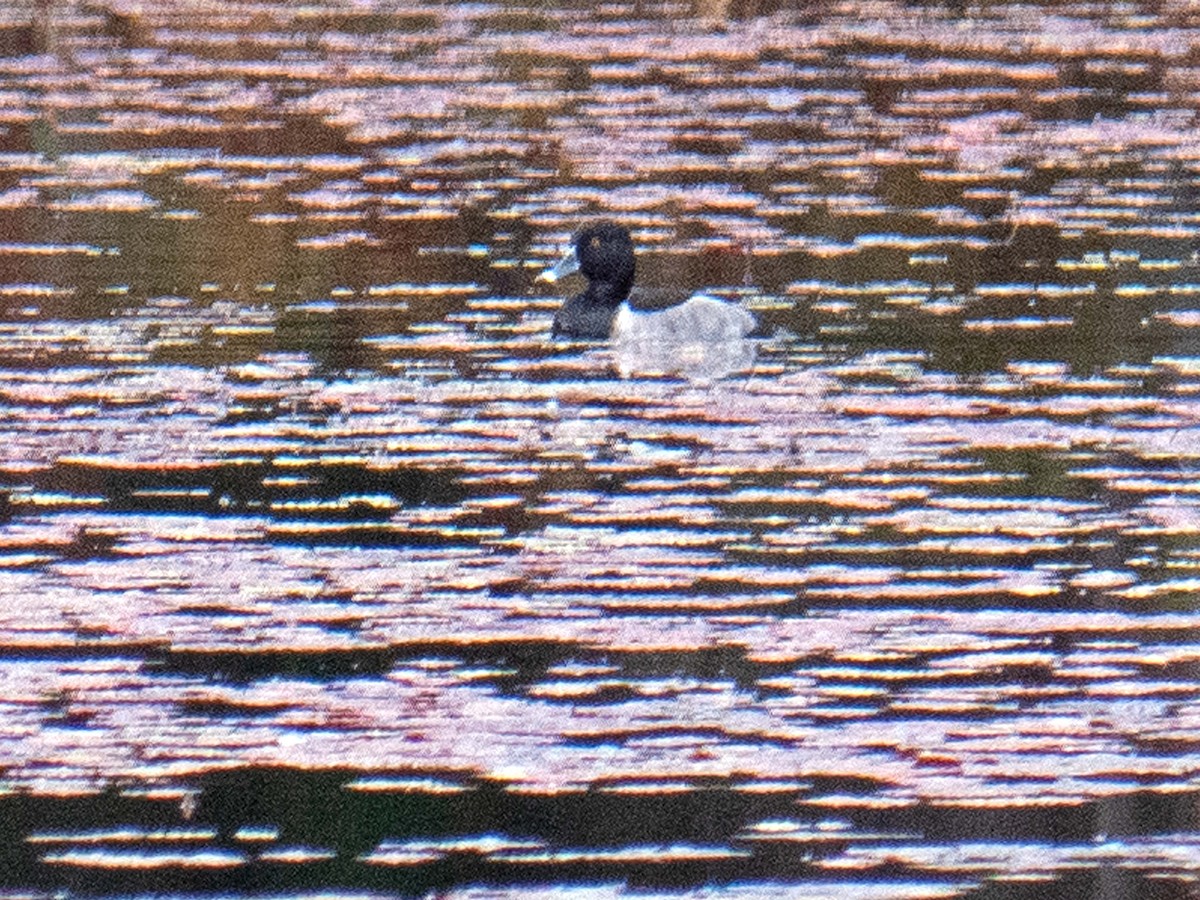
<point x="281" y="824"/>
<point x="342" y="493"/>
<point x="307" y="807"/>
<point x="86" y="644"/>
<point x="336" y="532"/>
<point x="514" y="667"/>
<point x="244" y="816"/>
<point x="25" y="816"/>
<point x="243" y="667"/>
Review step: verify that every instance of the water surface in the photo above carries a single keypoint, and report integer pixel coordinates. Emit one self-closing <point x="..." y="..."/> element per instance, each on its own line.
<point x="325" y="569"/>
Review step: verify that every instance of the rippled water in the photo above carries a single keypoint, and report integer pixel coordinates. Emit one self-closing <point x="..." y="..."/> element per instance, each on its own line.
<point x="326" y="570"/>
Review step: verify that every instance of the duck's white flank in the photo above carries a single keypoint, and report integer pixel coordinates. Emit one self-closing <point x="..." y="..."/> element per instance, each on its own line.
<point x="702" y="338"/>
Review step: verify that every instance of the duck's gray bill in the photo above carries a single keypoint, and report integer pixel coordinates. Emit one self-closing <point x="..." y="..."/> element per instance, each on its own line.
<point x="568" y="265"/>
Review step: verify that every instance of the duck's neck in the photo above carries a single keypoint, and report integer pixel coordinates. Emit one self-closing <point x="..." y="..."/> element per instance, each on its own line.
<point x="609" y="293"/>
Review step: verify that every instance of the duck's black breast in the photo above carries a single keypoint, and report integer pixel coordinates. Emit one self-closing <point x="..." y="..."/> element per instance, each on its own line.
<point x="591" y="314"/>
<point x="582" y="317"/>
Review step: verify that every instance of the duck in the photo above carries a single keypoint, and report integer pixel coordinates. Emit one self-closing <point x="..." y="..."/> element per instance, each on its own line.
<point x="696" y="335"/>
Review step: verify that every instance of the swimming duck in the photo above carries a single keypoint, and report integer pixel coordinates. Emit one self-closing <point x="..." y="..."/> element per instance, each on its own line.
<point x="651" y="330"/>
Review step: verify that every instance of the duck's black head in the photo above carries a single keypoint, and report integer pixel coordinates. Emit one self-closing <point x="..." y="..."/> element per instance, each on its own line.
<point x="603" y="253"/>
